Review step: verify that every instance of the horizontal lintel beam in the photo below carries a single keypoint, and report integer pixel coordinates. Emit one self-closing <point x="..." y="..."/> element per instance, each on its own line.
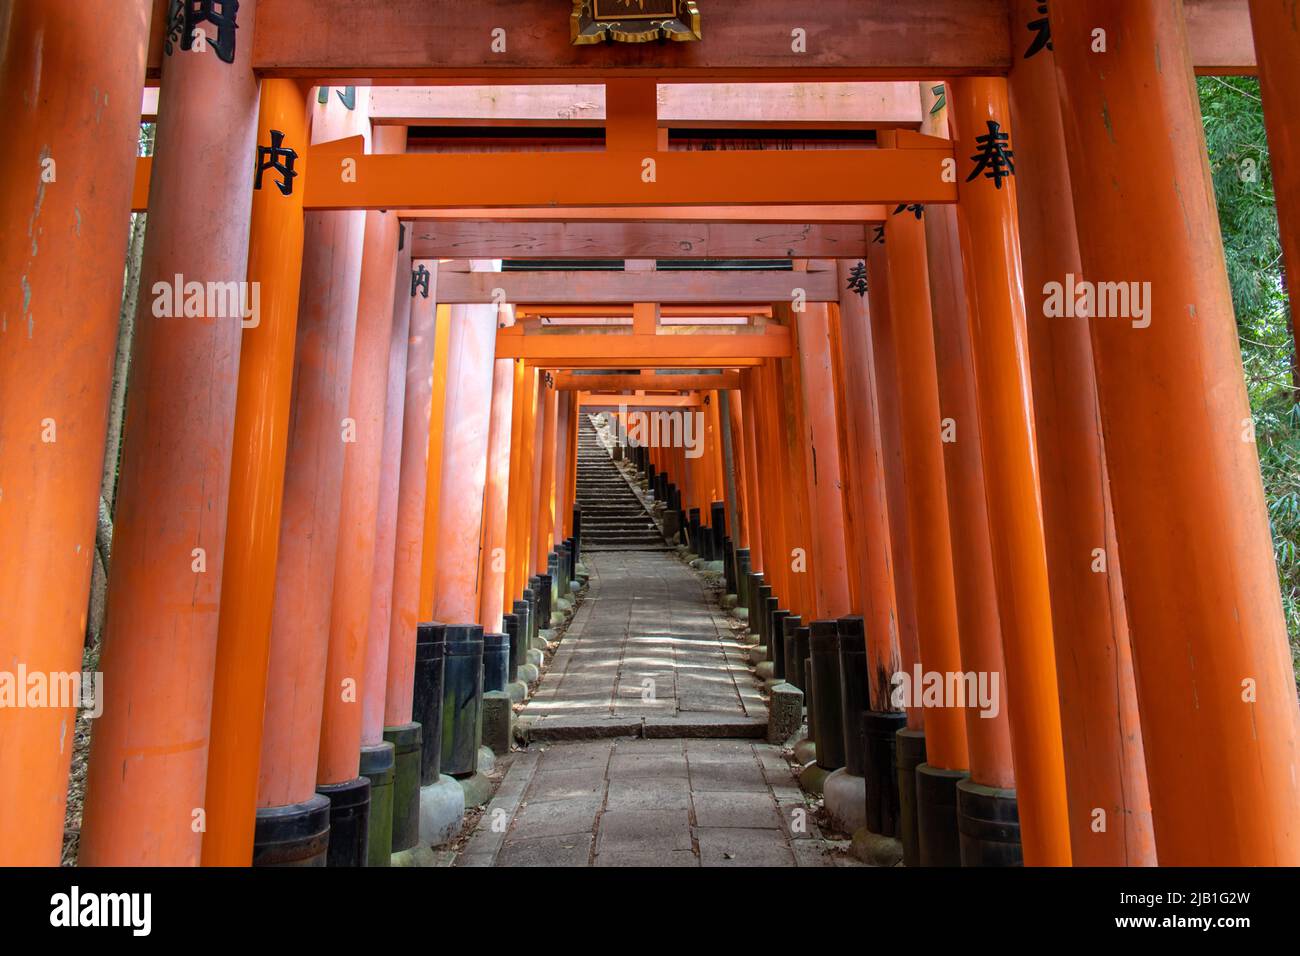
<point x="389" y="41"/>
<point x="743" y="177"/>
<point x="595" y="288"/>
<point x="634" y="402"/>
<point x="640" y="351"/>
<point x="485" y="239"/>
<point x="569" y="382"/>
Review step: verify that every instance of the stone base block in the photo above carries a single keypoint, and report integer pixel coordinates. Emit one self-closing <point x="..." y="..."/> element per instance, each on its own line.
<point x="442" y="808"/>
<point x="497" y="717"/>
<point x="805" y="751"/>
<point x="487" y="760"/>
<point x="784" y="713"/>
<point x="535" y="660"/>
<point x="758" y="653"/>
<point x="764" y="670"/>
<point x="517" y="691"/>
<point x="845" y="795"/>
<point x="529" y="672"/>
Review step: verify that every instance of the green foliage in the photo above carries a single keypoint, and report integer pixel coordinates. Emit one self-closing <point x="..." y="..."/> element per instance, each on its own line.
<point x="1243" y="184"/>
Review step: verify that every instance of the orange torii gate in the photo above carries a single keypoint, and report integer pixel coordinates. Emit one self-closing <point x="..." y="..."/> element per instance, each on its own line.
<point x="225" y="596"/>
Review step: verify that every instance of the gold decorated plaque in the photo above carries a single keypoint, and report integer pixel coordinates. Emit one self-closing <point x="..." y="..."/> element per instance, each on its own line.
<point x="634" y="21"/>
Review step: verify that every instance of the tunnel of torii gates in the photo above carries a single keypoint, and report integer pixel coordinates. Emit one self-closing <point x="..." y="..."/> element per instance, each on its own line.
<point x="898" y="424"/>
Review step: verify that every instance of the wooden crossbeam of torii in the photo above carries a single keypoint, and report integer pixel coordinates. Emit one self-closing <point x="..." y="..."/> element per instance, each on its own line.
<point x="576" y="350"/>
<point x="646" y="381"/>
<point x="681" y="105"/>
<point x="638" y="402"/>
<point x="914" y="171"/>
<point x="485" y="239"/>
<point x="388" y="41"/>
<point x="614" y="288"/>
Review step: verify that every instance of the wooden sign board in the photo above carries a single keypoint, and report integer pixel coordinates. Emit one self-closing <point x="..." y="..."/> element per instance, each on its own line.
<point x="634" y="21"/>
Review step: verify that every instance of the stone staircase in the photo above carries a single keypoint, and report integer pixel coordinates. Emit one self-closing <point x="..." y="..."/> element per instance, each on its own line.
<point x="613" y="517"/>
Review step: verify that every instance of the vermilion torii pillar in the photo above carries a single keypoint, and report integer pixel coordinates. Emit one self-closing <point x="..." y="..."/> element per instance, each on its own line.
<point x="880" y="339"/>
<point x="377" y="753"/>
<point x="496" y="498"/>
<point x="1104" y="765"/>
<point x="256" y="492"/>
<point x="148" y="765"/>
<point x="71" y="141"/>
<point x="408" y="549"/>
<point x="1276" y="26"/>
<point x="991" y="256"/>
<point x="354" y="563"/>
<point x="866" y="496"/>
<point x="946" y="754"/>
<point x="434" y="417"/>
<point x="409" y="535"/>
<point x="822" y="465"/>
<point x="319" y="432"/>
<point x="979" y="630"/>
<point x="546" y="483"/>
<point x="1215" y="686"/>
<point x="823" y="461"/>
<point x="471" y="358"/>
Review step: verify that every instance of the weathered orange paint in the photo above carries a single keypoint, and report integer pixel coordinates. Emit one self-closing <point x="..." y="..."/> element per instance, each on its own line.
<point x="262" y="413"/>
<point x="1209" y="639"/>
<point x="496" y="499"/>
<point x="380" y="622"/>
<point x="75" y="102"/>
<point x="466" y="430"/>
<point x="412" y="484"/>
<point x="148" y="762"/>
<point x="354" y="564"/>
<point x="314" y="465"/>
<point x="1104" y="761"/>
<point x="991" y="256"/>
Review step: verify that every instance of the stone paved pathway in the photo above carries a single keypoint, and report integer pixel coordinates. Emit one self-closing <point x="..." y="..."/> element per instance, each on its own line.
<point x="675" y="778"/>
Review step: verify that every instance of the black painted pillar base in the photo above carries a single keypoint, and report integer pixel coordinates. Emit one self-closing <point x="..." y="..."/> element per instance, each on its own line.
<point x="406" y="741"/>
<point x="825" y="655"/>
<point x="377" y="765"/>
<point x="743" y="571"/>
<point x="349" y="842"/>
<point x="776" y="647"/>
<point x="296" y="835"/>
<point x="988" y="820"/>
<point x="936" y="815"/>
<point x="909" y="753"/>
<point x="878" y="733"/>
<point x="790" y="651"/>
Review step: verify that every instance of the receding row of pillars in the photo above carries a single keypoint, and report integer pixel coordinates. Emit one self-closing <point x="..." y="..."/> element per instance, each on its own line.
<point x="1086" y="521"/>
<point x="250" y="530"/>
